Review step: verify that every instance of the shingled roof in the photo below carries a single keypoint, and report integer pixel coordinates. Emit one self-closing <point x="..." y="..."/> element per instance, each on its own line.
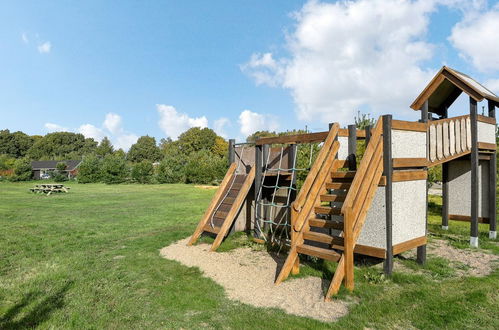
<point x="51" y="164"/>
<point x="446" y="87"/>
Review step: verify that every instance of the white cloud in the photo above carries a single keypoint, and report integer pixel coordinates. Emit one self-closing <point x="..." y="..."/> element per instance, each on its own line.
<point x="477" y="39"/>
<point x="45" y="47"/>
<point x="90" y="131"/>
<point x="173" y="123"/>
<point x="349" y="55"/>
<point x="51" y="127"/>
<point x="124" y="141"/>
<point x="219" y="126"/>
<point x="251" y="122"/>
<point x="493" y="85"/>
<point x="113" y="123"/>
<point x="24" y="37"/>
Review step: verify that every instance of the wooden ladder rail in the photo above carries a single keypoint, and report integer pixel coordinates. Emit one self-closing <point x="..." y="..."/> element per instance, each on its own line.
<point x="236" y="206"/>
<point x="213" y="204"/>
<point x="355" y="207"/>
<point x="307" y="198"/>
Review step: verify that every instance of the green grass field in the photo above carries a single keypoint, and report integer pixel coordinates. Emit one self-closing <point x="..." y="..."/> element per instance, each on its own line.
<point x="90" y="259"/>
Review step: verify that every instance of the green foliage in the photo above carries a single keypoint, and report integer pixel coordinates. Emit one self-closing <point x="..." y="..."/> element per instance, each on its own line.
<point x="22" y="170"/>
<point x="61" y="145"/>
<point x="90" y="169"/>
<point x="142" y="172"/>
<point x="16" y="144"/>
<point x="105" y="148"/>
<point x="435" y="174"/>
<point x="6" y="162"/>
<point x="196" y="139"/>
<point x="114" y="169"/>
<point x="363" y="120"/>
<point x="203" y="167"/>
<point x="171" y="169"/>
<point x="144" y="149"/>
<point x="61" y="166"/>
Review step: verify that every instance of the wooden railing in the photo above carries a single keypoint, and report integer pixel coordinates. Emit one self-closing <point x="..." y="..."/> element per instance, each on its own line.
<point x="359" y="199"/>
<point x="315" y="180"/>
<point x="448" y="138"/>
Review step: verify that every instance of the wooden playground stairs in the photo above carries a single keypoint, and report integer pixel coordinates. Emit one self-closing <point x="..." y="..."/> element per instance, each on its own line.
<point x="330" y="231"/>
<point x="225" y="205"/>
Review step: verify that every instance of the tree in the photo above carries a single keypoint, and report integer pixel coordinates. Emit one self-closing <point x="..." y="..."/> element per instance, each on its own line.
<point x="114" y="169"/>
<point x="61" y="145"/>
<point x="364" y="120"/>
<point x="220" y="147"/>
<point x="260" y="134"/>
<point x="6" y="162"/>
<point x="22" y="170"/>
<point x="142" y="172"/>
<point x="144" y="149"/>
<point x="59" y="174"/>
<point x="105" y="148"/>
<point x="202" y="167"/>
<point x="89" y="170"/>
<point x="196" y="139"/>
<point x="171" y="169"/>
<point x="15" y="144"/>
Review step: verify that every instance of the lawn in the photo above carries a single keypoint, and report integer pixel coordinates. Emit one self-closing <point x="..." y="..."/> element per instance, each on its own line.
<point x="90" y="259"/>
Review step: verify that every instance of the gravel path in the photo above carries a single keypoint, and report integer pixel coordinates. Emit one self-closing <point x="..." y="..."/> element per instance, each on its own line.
<point x="248" y="276"/>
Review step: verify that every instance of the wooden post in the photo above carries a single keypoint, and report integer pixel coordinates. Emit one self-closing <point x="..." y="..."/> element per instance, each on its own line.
<point x="388" y="171"/>
<point x="474" y="174"/>
<point x="445" y="196"/>
<point x="368" y="134"/>
<point x="421" y="250"/>
<point x="492" y="183"/>
<point x="348" y="249"/>
<point x="258" y="185"/>
<point x="352" y="147"/>
<point x="232" y="151"/>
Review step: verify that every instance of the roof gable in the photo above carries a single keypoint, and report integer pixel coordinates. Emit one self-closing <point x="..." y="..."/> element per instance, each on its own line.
<point x="446" y="87"/>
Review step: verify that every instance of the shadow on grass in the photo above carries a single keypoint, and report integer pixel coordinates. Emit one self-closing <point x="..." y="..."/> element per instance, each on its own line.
<point x="23" y="315"/>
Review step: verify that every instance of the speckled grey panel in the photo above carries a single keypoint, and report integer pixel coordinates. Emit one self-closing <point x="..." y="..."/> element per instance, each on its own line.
<point x="343" y="151"/>
<point x="409" y="210"/>
<point x="486" y="132"/>
<point x="374" y="230"/>
<point x="407" y="144"/>
<point x="460" y="187"/>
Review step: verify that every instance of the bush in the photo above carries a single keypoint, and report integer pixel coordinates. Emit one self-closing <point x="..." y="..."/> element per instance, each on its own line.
<point x="143" y="172"/>
<point x="90" y="170"/>
<point x="22" y="170"/>
<point x="114" y="169"/>
<point x="204" y="167"/>
<point x="171" y="169"/>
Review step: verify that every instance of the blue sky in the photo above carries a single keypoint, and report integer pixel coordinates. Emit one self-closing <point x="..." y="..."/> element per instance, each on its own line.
<point x="126" y="69"/>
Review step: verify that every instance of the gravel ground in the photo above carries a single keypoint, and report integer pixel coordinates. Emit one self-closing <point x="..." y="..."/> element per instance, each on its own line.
<point x="248" y="276"/>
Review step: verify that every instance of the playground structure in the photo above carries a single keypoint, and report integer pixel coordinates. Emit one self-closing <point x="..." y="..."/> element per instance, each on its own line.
<point x="375" y="207"/>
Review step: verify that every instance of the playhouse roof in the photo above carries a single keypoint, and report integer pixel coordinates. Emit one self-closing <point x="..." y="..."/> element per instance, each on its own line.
<point x="446" y="87"/>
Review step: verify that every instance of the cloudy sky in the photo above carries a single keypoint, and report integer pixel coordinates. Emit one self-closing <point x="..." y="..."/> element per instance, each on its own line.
<point x="126" y="69"/>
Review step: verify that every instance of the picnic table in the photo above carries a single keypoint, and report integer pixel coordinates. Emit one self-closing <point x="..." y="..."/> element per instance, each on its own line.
<point x="49" y="188"/>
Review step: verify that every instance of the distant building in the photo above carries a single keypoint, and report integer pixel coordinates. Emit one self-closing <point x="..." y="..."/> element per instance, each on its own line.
<point x="42" y="169"/>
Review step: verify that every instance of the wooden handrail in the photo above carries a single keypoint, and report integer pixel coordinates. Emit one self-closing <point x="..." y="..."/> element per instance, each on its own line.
<point x="441" y="121"/>
<point x="312" y="175"/>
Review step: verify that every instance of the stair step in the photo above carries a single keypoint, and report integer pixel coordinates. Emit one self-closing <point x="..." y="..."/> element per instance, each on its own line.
<point x="323" y="238"/>
<point x="318" y="252"/>
<point x="343" y="174"/>
<point x="338" y="185"/>
<point x="333" y="197"/>
<point x="321" y="223"/>
<point x="210" y="229"/>
<point x="327" y="210"/>
<point x="236" y="186"/>
<point x="229" y="200"/>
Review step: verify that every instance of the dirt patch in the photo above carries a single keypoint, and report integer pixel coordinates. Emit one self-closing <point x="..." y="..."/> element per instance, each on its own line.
<point x="479" y="262"/>
<point x="248" y="276"/>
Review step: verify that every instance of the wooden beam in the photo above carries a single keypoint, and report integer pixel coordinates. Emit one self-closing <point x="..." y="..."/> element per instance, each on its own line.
<point x="410" y="175"/>
<point x="474" y="173"/>
<point x="403" y="125"/>
<point x="448" y="159"/>
<point x="459" y="83"/>
<point x="299" y="138"/>
<point x="388" y="164"/>
<point x="485" y="119"/>
<point x="366" y="250"/>
<point x="487" y="146"/>
<point x="467" y="218"/>
<point x="428" y="91"/>
<point x="409" y="245"/>
<point x="352" y="148"/>
<point x="409" y="162"/>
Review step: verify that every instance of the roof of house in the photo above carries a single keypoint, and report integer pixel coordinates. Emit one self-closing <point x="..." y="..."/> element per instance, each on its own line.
<point x="51" y="164"/>
<point x="446" y="87"/>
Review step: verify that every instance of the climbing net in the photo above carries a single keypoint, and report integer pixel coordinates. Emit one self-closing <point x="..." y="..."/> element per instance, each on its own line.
<point x="274" y="217"/>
